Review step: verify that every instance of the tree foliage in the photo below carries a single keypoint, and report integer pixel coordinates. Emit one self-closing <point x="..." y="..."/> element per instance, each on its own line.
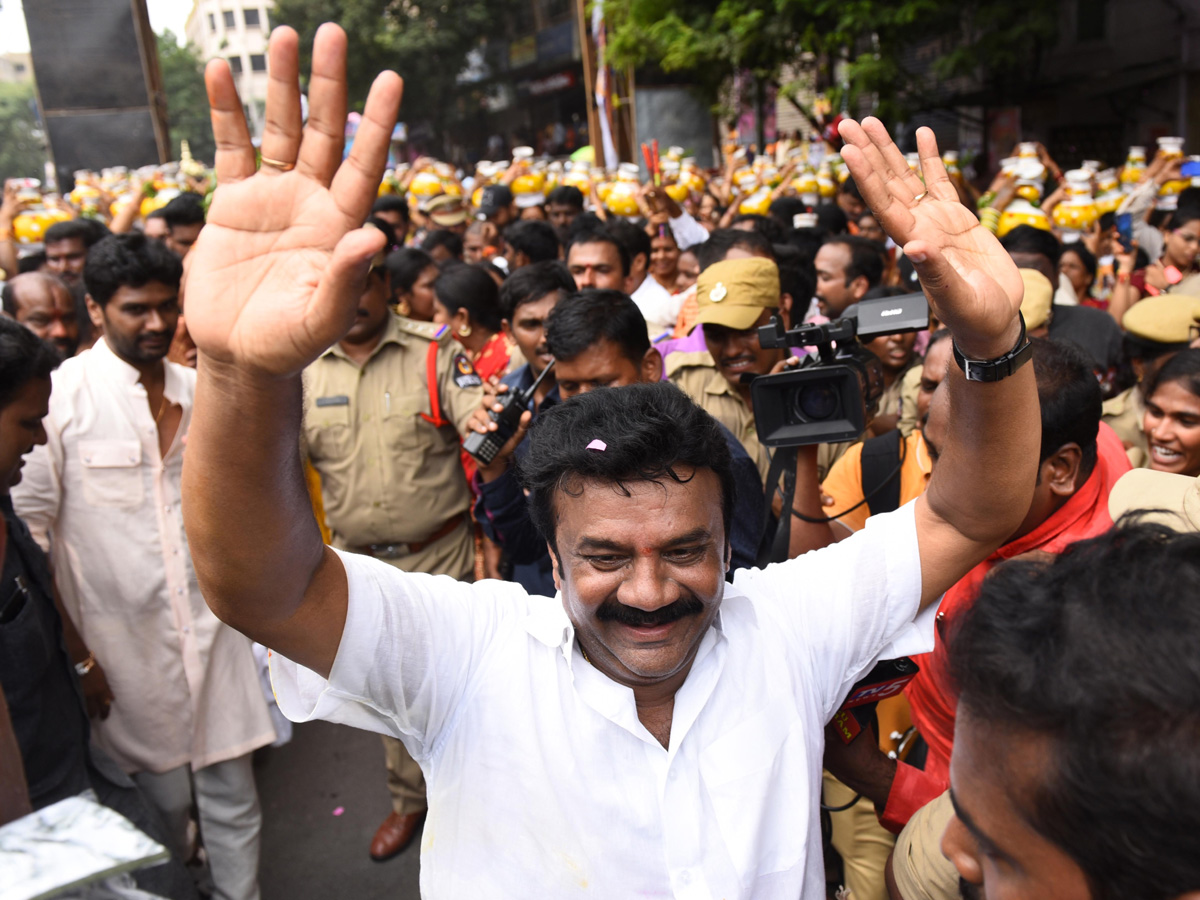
<point x="426" y="43"/>
<point x="856" y="50"/>
<point x="187" y="103"/>
<point x="22" y="144"/>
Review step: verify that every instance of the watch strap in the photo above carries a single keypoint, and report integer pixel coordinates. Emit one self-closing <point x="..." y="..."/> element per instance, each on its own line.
<point x="989" y="370"/>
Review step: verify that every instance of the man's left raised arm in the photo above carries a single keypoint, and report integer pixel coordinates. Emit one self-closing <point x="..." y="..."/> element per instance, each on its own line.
<point x="987" y="467"/>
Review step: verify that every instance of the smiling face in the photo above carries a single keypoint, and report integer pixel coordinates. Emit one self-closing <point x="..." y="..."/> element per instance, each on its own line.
<point x="642" y="572"/>
<point x="1172" y="427"/>
<point x="21" y="429"/>
<point x="138" y="322"/>
<point x="664" y="257"/>
<point x="992" y="840"/>
<point x="739" y="352"/>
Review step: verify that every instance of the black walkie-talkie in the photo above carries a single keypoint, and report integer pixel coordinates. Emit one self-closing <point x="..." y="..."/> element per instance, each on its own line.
<point x="484" y="447"/>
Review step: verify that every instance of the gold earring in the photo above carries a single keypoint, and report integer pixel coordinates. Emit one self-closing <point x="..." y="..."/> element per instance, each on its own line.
<point x="402" y="308"/>
<point x="464" y="331"/>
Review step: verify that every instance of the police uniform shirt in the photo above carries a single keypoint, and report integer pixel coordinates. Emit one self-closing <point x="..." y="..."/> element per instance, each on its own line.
<point x="389" y="474"/>
<point x="1125" y="414"/>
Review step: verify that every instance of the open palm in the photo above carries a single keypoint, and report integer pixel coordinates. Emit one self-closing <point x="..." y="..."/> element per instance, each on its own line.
<point x="275" y="276"/>
<point x="971" y="282"/>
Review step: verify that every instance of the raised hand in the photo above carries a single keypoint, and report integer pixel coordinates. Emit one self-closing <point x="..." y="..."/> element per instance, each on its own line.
<point x="276" y="274"/>
<point x="971" y="282"/>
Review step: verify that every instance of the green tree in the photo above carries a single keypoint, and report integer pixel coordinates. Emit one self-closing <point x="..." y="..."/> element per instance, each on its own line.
<point x="853" y="49"/>
<point x="187" y="101"/>
<point x="426" y="43"/>
<point x="22" y="144"/>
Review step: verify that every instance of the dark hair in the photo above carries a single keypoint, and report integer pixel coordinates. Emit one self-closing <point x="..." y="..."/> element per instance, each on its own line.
<point x="1184" y="367"/>
<point x="1070" y="399"/>
<point x="1095" y="653"/>
<point x="866" y="258"/>
<point x="785" y="210"/>
<point x="33" y="262"/>
<point x="602" y="236"/>
<point x="831" y="219"/>
<point x="23" y="357"/>
<point x="393" y="204"/>
<point x="406" y="266"/>
<point x="90" y="231"/>
<point x="721" y="241"/>
<point x="768" y="226"/>
<point x="389" y="233"/>
<point x="632" y="237"/>
<point x="535" y="238"/>
<point x="584" y="222"/>
<point x="129" y="260"/>
<point x="566" y="195"/>
<point x="466" y="287"/>
<point x="1085" y="257"/>
<point x="651" y="431"/>
<point x="1027" y="239"/>
<point x="439" y="237"/>
<point x="797" y="281"/>
<point x="531" y="283"/>
<point x="807" y="242"/>
<point x="850" y="189"/>
<point x="186" y="209"/>
<point x="591" y="315"/>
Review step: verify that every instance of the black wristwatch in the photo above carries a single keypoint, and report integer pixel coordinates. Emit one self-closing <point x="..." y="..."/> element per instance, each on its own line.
<point x="996" y="369"/>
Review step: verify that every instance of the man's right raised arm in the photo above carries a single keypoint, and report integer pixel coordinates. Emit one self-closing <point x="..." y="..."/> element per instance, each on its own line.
<point x="273" y="281"/>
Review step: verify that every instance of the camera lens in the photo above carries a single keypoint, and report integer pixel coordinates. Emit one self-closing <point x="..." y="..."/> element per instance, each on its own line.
<point x="816" y="402"/>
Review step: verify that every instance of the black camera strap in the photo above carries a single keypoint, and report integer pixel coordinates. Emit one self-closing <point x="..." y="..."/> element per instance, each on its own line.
<point x="774" y="545"/>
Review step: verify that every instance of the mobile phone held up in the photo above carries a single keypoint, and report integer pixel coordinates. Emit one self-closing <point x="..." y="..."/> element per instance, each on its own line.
<point x="1125" y="230"/>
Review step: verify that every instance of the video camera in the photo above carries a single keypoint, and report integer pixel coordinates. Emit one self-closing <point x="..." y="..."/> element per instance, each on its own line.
<point x="829" y="396"/>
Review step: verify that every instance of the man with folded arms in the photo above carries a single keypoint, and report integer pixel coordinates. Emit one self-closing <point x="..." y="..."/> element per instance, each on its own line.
<point x="651" y="731"/>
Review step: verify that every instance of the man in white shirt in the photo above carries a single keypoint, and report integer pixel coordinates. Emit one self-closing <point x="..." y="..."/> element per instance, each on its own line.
<point x="103" y="497"/>
<point x="647" y="733"/>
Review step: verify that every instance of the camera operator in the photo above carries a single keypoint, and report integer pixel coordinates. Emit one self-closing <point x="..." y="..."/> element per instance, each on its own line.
<point x="1074" y="771"/>
<point x="651" y="731"/>
<point x="734" y="298"/>
<point x="597" y="339"/>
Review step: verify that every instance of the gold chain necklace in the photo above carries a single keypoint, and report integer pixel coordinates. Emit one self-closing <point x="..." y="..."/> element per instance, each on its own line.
<point x="162" y="408"/>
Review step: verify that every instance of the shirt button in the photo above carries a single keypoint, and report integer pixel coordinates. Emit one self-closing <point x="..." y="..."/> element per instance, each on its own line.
<point x="673" y="775"/>
<point x="87" y="459"/>
<point x="187" y="629"/>
<point x="685" y="877"/>
<point x="179" y="591"/>
<point x="175" y="551"/>
<point x="167" y="508"/>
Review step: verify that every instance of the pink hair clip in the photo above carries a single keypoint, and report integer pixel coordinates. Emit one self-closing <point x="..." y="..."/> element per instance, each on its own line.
<point x="597" y="444"/>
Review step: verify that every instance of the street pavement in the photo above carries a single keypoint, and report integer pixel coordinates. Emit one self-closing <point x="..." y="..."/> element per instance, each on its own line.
<point x="308" y="852"/>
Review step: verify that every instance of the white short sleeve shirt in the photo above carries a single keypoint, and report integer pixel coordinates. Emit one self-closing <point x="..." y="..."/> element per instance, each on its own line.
<point x="541" y="779"/>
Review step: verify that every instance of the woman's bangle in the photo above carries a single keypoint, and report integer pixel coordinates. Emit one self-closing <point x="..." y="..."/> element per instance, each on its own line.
<point x="1123" y="277"/>
<point x="82" y="668"/>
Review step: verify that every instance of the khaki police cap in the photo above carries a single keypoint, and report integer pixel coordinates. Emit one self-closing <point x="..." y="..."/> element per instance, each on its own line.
<point x="734" y="293"/>
<point x="1165" y="319"/>
<point x="1175" y="499"/>
<point x="1039" y="295"/>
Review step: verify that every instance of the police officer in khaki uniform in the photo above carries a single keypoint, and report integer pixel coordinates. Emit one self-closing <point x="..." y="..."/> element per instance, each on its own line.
<point x="383" y="412"/>
<point x="734" y="298"/>
<point x="1155" y="330"/>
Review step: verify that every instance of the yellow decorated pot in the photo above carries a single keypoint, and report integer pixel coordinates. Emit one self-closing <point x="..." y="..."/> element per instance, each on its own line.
<point x="30" y="225"/>
<point x="757" y="204"/>
<point x="1021" y="212"/>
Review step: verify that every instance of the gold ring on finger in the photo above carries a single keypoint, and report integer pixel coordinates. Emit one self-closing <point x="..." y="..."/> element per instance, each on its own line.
<point x="917" y="199"/>
<point x="278" y="164"/>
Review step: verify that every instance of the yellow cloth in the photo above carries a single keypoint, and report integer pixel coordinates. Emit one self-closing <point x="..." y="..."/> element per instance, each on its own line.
<point x="844" y="482"/>
<point x="734" y="292"/>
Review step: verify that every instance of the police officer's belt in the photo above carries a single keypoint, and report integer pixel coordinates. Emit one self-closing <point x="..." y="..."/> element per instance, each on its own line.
<point x="394" y="551"/>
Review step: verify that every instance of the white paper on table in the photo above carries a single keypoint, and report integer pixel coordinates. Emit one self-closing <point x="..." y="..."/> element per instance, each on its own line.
<point x="73" y="842"/>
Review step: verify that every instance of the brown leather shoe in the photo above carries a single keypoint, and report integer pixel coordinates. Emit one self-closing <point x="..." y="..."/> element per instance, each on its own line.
<point x="394" y="835"/>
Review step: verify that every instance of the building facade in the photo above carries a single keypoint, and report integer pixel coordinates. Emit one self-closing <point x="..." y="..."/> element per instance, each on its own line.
<point x="237" y="31"/>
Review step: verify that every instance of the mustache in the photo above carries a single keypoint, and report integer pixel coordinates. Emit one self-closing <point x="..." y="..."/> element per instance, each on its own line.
<point x="613" y="611"/>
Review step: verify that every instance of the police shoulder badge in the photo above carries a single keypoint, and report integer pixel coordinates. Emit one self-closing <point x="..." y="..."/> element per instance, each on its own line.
<point x="465" y="375"/>
<point x="717" y="294"/>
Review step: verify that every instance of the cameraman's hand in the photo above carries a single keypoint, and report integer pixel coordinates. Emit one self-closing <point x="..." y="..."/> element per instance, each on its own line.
<point x="971" y="282"/>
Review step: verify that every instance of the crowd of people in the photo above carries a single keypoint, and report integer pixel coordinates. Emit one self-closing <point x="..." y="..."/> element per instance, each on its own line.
<point x="585" y="674"/>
